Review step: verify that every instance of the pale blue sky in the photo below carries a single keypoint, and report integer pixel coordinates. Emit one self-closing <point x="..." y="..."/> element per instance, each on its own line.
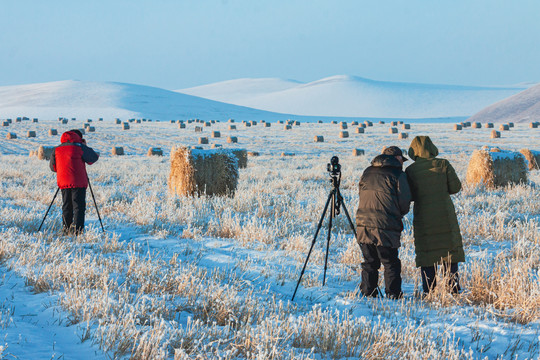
<point x="176" y="44"/>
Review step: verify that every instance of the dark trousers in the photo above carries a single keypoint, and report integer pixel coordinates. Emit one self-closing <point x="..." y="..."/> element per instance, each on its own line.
<point x="373" y="257"/>
<point x="429" y="280"/>
<point x="73" y="208"/>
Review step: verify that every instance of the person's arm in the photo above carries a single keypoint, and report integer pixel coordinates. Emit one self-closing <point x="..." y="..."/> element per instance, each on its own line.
<point x="52" y="161"/>
<point x="404" y="194"/>
<point x="454" y="185"/>
<point x="89" y="155"/>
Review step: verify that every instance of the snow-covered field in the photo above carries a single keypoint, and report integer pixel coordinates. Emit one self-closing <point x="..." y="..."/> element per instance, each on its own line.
<point x="213" y="277"/>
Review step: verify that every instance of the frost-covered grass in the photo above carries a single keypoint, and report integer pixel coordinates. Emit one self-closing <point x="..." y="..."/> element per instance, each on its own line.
<point x="212" y="277"/>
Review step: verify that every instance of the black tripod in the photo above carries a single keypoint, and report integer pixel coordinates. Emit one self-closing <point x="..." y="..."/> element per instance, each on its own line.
<point x="336" y="201"/>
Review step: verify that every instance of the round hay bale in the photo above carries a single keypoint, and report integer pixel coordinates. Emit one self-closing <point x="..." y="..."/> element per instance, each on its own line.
<point x="476" y="125"/>
<point x="45" y="152"/>
<point x="117" y="121"/>
<point x="504" y="127"/>
<point x="138" y="121"/>
<point x="406" y="126"/>
<point x="392" y="130"/>
<point x="11" y="136"/>
<point x="5" y="123"/>
<point x="230" y="120"/>
<point x="9" y="121"/>
<point x="34" y="120"/>
<point x="510" y="124"/>
<point x="467" y="124"/>
<point x="215" y="146"/>
<point x="354" y="123"/>
<point x="394" y="123"/>
<point x="400" y="122"/>
<point x="91" y="129"/>
<point x="280" y="122"/>
<point x="53" y="132"/>
<point x="253" y="123"/>
<point x="495" y="149"/>
<point x="359" y="130"/>
<point x="368" y="123"/>
<point x="117" y="151"/>
<point x="64" y="121"/>
<point x="533" y="158"/>
<point x="284" y="154"/>
<point x="195" y="147"/>
<point x="241" y="156"/>
<point x="247" y="124"/>
<point x="216" y="134"/>
<point x="343" y="125"/>
<point x="207" y="124"/>
<point x="154" y="151"/>
<point x="489" y="125"/>
<point x="203" y="140"/>
<point x="100" y="119"/>
<point x="458" y="127"/>
<point x="533" y="125"/>
<point x="203" y="172"/>
<point x="381" y="122"/>
<point x="253" y="153"/>
<point x="173" y="121"/>
<point x="318" y="138"/>
<point x="32" y="153"/>
<point x="232" y="139"/>
<point x="266" y="124"/>
<point x="358" y="152"/>
<point x="125" y="126"/>
<point x="287" y="127"/>
<point x="232" y="127"/>
<point x="213" y="121"/>
<point x="495" y="134"/>
<point x="19" y="119"/>
<point x="343" y="134"/>
<point x="31" y="134"/>
<point x="181" y="125"/>
<point x="297" y="123"/>
<point x="88" y="120"/>
<point x="403" y="135"/>
<point x="198" y="129"/>
<point x="494" y="169"/>
<point x="333" y="122"/>
<point x="362" y="125"/>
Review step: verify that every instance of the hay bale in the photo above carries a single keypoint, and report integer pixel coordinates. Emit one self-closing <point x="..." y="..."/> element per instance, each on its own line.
<point x="138" y="121"/>
<point x="285" y="154"/>
<point x="207" y="124"/>
<point x="318" y="138"/>
<point x="9" y="121"/>
<point x="117" y="151"/>
<point x="504" y="127"/>
<point x="467" y="124"/>
<point x="476" y="125"/>
<point x="495" y="134"/>
<point x="100" y="119"/>
<point x="232" y="127"/>
<point x="533" y="158"/>
<point x="91" y="129"/>
<point x="247" y="124"/>
<point x="354" y="123"/>
<point x="198" y="129"/>
<point x="287" y="127"/>
<point x="232" y="139"/>
<point x="533" y="125"/>
<point x="359" y="130"/>
<point x="267" y="124"/>
<point x="489" y="125"/>
<point x="125" y="126"/>
<point x="458" y="127"/>
<point x="358" y="152"/>
<point x="64" y="121"/>
<point x="203" y="140"/>
<point x="173" y="121"/>
<point x="31" y="134"/>
<point x="32" y="153"/>
<point x="333" y="122"/>
<point x="215" y="146"/>
<point x="381" y="122"/>
<point x="45" y="152"/>
<point x="253" y="123"/>
<point x="343" y="134"/>
<point x="216" y="134"/>
<point x="400" y="122"/>
<point x="198" y="172"/>
<point x="11" y="136"/>
<point x="343" y="125"/>
<point x="392" y="130"/>
<point x="362" y="125"/>
<point x="511" y="124"/>
<point x="406" y="126"/>
<point x="394" y="123"/>
<point x="154" y="151"/>
<point x="181" y="125"/>
<point x="230" y="120"/>
<point x="34" y="120"/>
<point x="19" y="119"/>
<point x="5" y="123"/>
<point x="403" y="135"/>
<point x="83" y="131"/>
<point x="494" y="169"/>
<point x="368" y="123"/>
<point x="319" y="122"/>
<point x="241" y="156"/>
<point x="253" y="153"/>
<point x="53" y="132"/>
<point x="88" y="120"/>
<point x="297" y="123"/>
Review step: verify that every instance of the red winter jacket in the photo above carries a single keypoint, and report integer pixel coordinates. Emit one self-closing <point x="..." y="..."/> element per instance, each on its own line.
<point x="68" y="161"/>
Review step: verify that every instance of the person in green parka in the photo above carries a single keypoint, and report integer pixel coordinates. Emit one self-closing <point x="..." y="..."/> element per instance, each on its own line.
<point x="437" y="238"/>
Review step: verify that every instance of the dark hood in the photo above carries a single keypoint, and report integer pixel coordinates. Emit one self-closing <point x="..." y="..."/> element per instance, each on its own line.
<point x="386" y="161"/>
<point x="422" y="147"/>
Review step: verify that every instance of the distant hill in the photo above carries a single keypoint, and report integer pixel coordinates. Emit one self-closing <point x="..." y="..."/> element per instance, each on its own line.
<point x="522" y="107"/>
<point x="355" y="97"/>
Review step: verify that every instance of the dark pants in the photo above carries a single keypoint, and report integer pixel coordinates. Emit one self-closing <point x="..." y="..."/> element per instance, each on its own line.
<point x="373" y="257"/>
<point x="429" y="281"/>
<point x="73" y="208"/>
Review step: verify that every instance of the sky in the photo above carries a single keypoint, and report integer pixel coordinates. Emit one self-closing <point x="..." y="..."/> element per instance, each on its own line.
<point x="183" y="43"/>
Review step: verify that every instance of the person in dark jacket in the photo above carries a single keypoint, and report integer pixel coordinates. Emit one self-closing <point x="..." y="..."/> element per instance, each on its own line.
<point x="68" y="161"/>
<point x="384" y="199"/>
<point x="437" y="238"/>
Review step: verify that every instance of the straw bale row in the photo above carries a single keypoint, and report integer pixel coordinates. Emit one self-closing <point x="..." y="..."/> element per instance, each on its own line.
<point x="533" y="158"/>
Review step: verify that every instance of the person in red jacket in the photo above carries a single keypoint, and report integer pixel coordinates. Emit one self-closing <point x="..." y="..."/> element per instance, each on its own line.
<point x="68" y="161"/>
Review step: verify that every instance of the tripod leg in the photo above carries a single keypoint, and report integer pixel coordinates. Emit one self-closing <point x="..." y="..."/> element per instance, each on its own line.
<point x="332" y="214"/>
<point x="95" y="204"/>
<point x="313" y="242"/>
<point x="347" y="213"/>
<point x="54" y="197"/>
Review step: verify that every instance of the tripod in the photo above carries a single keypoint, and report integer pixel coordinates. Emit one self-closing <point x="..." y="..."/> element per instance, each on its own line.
<point x="335" y="200"/>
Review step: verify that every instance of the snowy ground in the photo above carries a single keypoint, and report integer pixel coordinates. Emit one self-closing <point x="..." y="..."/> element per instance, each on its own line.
<point x="213" y="277"/>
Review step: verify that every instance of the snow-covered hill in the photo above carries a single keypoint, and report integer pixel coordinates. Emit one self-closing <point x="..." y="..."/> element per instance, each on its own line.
<point x="522" y="107"/>
<point x="355" y="97"/>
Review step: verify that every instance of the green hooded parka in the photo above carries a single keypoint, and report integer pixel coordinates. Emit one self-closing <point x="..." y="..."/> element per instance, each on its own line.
<point x="436" y="230"/>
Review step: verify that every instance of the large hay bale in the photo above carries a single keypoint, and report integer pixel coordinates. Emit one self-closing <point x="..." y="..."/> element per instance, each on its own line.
<point x="343" y="125"/>
<point x="118" y="121"/>
<point x="297" y="123"/>
<point x="467" y="124"/>
<point x="31" y="134"/>
<point x="359" y="130"/>
<point x="232" y="127"/>
<point x="381" y="122"/>
<point x="489" y="125"/>
<point x="53" y="132"/>
<point x="117" y="151"/>
<point x="394" y="123"/>
<point x="232" y="139"/>
<point x="458" y="127"/>
<point x="333" y="122"/>
<point x="216" y="134"/>
<point x="358" y="152"/>
<point x="45" y="152"/>
<point x="403" y="135"/>
<point x="253" y="123"/>
<point x="11" y="136"/>
<point x="368" y="123"/>
<point x="203" y="140"/>
<point x="181" y="125"/>
<point x="285" y="154"/>
<point x="504" y="127"/>
<point x="198" y="129"/>
<point x="287" y="127"/>
<point x="266" y="124"/>
<point x="207" y="124"/>
<point x="197" y="172"/>
<point x="511" y="124"/>
<point x="343" y="134"/>
<point x="533" y="158"/>
<point x="91" y="129"/>
<point x="230" y="120"/>
<point x="392" y="130"/>
<point x="154" y="151"/>
<point x="138" y="121"/>
<point x="533" y="125"/>
<point x="64" y="121"/>
<point x="354" y="123"/>
<point x="495" y="169"/>
<point x="125" y="126"/>
<point x="5" y="123"/>
<point x="318" y="138"/>
<point x="247" y="124"/>
<point x="35" y="120"/>
<point x="406" y="126"/>
<point x="476" y="125"/>
<point x="495" y="134"/>
<point x="253" y="153"/>
<point x="241" y="156"/>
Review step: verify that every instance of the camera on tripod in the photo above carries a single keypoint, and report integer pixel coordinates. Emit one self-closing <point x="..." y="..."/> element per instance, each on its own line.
<point x="334" y="167"/>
